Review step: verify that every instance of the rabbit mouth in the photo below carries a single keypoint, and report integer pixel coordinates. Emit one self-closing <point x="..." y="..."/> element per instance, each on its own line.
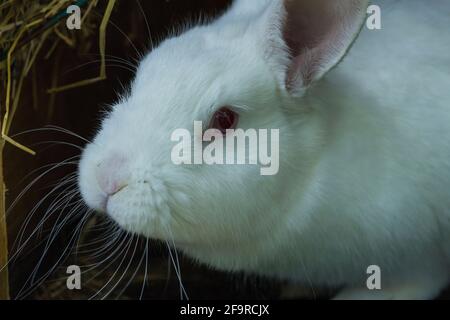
<point x="139" y="209"/>
<point x="106" y="198"/>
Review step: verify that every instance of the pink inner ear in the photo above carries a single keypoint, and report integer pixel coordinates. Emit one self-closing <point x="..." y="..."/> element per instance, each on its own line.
<point x="318" y="33"/>
<point x="307" y="22"/>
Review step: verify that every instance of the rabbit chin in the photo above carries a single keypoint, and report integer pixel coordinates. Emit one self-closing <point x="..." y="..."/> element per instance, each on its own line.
<point x="141" y="211"/>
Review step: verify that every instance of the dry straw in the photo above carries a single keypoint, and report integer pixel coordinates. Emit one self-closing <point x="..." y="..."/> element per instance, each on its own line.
<point x="25" y="27"/>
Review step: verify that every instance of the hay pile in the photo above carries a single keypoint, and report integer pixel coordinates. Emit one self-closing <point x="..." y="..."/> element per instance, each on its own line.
<point x="26" y="27"/>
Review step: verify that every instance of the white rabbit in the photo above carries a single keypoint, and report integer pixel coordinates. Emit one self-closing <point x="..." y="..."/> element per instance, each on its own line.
<point x="364" y="175"/>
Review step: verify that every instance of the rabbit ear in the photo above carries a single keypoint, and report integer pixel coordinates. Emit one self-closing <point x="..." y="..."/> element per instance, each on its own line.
<point x="309" y="37"/>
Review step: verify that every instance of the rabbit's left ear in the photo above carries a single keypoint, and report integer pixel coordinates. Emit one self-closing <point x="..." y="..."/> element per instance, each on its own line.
<point x="306" y="38"/>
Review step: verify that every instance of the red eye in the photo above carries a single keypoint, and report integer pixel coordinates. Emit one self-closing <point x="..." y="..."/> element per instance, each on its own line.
<point x="224" y="119"/>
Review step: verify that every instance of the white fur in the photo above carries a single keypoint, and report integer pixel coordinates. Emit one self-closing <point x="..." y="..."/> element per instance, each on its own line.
<point x="364" y="157"/>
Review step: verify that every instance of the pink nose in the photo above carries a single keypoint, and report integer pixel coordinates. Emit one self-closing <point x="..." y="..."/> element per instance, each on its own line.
<point x="112" y="174"/>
